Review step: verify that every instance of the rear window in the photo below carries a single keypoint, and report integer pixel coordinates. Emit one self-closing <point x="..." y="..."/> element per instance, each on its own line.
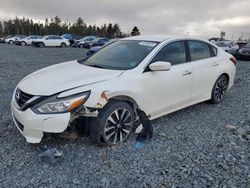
<point x="199" y="50"/>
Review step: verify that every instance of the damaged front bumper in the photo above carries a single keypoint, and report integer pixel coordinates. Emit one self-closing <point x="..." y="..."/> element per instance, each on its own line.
<point x="32" y="126"/>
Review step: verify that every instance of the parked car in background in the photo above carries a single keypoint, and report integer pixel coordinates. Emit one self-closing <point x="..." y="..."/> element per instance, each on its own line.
<point x="95" y="49"/>
<point x="99" y="42"/>
<point x="11" y="40"/>
<point x="2" y="39"/>
<point x="244" y="52"/>
<point x="154" y="74"/>
<point x="51" y="40"/>
<point x="71" y="37"/>
<point x="241" y="44"/>
<point x="27" y="40"/>
<point x="228" y="46"/>
<point x="84" y="42"/>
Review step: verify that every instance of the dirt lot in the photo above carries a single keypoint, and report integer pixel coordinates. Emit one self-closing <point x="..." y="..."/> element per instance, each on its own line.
<point x="194" y="147"/>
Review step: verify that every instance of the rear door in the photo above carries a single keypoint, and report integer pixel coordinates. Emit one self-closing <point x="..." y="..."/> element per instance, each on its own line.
<point x="205" y="67"/>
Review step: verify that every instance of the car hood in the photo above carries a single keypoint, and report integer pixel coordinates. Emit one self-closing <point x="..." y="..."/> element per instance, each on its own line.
<point x="64" y="76"/>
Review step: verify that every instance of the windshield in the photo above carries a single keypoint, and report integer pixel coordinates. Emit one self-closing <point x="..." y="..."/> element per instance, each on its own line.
<point x="121" y="55"/>
<point x="222" y="44"/>
<point x="247" y="45"/>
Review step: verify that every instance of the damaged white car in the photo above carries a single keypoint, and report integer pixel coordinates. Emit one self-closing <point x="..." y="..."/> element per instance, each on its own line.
<point x="155" y="74"/>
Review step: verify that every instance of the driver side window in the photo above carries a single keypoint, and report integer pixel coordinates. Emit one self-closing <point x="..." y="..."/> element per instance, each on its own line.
<point x="173" y="53"/>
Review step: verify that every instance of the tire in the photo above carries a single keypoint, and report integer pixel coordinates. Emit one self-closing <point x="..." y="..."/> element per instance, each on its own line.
<point x="81" y="46"/>
<point x="63" y="45"/>
<point x="11" y="42"/>
<point x="107" y="129"/>
<point x="41" y="45"/>
<point x="23" y="43"/>
<point x="219" y="89"/>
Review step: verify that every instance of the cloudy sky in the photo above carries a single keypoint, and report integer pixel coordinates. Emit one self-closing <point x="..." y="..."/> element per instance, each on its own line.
<point x="197" y="17"/>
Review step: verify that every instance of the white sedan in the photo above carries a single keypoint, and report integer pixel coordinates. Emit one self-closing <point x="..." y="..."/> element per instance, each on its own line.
<point x="27" y="40"/>
<point x="51" y="40"/>
<point x="154" y="74"/>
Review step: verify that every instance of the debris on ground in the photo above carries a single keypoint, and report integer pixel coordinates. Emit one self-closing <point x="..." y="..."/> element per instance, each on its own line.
<point x="50" y="153"/>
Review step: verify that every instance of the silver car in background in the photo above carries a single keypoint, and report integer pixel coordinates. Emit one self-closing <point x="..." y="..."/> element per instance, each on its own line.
<point x="228" y="46"/>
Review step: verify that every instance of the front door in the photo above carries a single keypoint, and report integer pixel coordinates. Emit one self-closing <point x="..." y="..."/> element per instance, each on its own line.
<point x="167" y="90"/>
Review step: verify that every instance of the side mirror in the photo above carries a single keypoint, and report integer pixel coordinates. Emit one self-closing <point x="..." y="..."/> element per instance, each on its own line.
<point x="160" y="66"/>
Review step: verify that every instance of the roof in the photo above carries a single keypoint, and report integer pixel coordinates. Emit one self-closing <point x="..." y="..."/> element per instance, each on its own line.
<point x="159" y="38"/>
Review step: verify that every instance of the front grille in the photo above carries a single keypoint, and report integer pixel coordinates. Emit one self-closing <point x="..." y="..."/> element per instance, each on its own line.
<point x="20" y="126"/>
<point x="22" y="97"/>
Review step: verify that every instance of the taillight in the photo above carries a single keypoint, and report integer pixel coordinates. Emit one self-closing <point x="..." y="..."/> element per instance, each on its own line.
<point x="233" y="60"/>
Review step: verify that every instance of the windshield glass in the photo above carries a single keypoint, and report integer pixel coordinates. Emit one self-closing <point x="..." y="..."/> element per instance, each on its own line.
<point x="222" y="44"/>
<point x="247" y="45"/>
<point x="121" y="55"/>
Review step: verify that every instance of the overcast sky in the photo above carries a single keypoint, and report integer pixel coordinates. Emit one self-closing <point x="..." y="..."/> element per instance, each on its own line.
<point x="197" y="17"/>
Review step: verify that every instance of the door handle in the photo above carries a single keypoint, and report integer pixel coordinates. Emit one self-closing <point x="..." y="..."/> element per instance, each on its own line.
<point x="215" y="64"/>
<point x="186" y="73"/>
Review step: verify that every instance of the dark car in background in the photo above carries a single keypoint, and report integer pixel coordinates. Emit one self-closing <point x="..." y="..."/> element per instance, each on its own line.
<point x="244" y="52"/>
<point x="241" y="44"/>
<point x="71" y="37"/>
<point x="95" y="49"/>
<point x="100" y="42"/>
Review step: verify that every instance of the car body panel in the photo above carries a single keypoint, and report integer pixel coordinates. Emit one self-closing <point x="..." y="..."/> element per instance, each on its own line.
<point x="64" y="76"/>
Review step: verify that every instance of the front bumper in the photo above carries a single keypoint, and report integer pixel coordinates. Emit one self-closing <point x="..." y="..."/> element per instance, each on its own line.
<point x="32" y="126"/>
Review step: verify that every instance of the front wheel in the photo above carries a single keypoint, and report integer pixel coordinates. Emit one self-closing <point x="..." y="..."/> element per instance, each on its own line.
<point x="114" y="123"/>
<point x="11" y="42"/>
<point x="41" y="44"/>
<point x="81" y="46"/>
<point x="219" y="89"/>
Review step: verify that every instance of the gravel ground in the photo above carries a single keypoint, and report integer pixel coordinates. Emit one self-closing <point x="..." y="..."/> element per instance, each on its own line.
<point x="201" y="146"/>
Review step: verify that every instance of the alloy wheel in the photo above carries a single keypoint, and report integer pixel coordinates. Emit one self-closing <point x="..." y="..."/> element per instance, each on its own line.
<point x="221" y="88"/>
<point x="118" y="126"/>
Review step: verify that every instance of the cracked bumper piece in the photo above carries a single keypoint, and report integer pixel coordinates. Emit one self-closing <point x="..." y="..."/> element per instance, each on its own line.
<point x="32" y="126"/>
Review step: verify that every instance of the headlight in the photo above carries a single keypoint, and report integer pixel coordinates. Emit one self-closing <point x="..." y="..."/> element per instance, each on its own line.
<point x="56" y="105"/>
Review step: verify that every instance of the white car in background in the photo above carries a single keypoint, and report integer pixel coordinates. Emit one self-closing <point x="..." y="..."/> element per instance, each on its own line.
<point x="229" y="46"/>
<point x="11" y="40"/>
<point x="154" y="74"/>
<point x="51" y="40"/>
<point x="27" y="40"/>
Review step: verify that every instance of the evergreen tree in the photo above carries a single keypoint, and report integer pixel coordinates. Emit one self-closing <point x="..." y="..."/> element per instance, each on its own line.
<point x="1" y="28"/>
<point x="135" y="31"/>
<point x="57" y="26"/>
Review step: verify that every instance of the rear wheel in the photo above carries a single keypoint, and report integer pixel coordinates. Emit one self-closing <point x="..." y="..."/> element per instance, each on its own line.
<point x="41" y="44"/>
<point x="219" y="89"/>
<point x="11" y="42"/>
<point x="63" y="45"/>
<point x="114" y="123"/>
<point x="81" y="46"/>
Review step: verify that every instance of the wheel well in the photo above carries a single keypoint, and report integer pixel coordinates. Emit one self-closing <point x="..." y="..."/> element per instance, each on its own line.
<point x="127" y="99"/>
<point x="228" y="78"/>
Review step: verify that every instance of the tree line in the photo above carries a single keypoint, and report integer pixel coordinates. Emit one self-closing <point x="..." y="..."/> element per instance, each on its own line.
<point x="56" y="26"/>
